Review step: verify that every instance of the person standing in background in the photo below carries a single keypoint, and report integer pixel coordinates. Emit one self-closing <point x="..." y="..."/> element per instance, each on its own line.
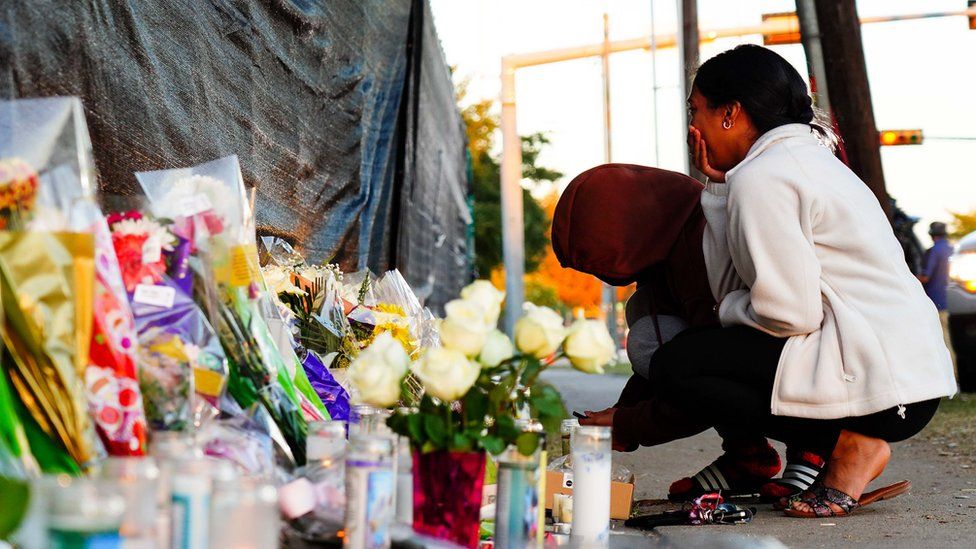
<point x="935" y="266"/>
<point x="935" y="275"/>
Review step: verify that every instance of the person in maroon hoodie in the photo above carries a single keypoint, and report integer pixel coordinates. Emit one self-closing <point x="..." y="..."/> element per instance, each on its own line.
<point x="628" y="224"/>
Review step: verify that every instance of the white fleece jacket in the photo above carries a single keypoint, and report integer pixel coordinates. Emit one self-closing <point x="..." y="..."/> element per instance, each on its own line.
<point x="797" y="246"/>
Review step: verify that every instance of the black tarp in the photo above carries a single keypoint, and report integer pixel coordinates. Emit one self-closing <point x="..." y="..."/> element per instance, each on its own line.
<point x="342" y="113"/>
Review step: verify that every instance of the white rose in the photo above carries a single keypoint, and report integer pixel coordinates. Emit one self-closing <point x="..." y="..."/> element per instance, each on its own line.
<point x="485" y="294"/>
<point x="445" y="373"/>
<point x="539" y="332"/>
<point x="279" y="281"/>
<point x="589" y="346"/>
<point x="378" y="371"/>
<point x="498" y="348"/>
<point x="464" y="329"/>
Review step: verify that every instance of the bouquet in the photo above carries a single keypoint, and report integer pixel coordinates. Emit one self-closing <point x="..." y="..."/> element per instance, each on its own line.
<point x="208" y="206"/>
<point x="69" y="331"/>
<point x="298" y="290"/>
<point x="477" y="384"/>
<point x="183" y="369"/>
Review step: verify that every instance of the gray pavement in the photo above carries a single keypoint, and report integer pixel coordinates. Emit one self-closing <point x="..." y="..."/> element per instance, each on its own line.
<point x="939" y="512"/>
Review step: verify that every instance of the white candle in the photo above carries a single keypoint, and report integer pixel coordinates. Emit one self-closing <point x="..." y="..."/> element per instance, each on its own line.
<point x="591" y="485"/>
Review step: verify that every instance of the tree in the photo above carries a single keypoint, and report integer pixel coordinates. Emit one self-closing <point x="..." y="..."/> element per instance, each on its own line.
<point x="962" y="224"/>
<point x="486" y="188"/>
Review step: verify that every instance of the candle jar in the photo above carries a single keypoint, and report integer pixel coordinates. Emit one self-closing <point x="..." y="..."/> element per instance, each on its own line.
<point x="404" y="482"/>
<point x="325" y="468"/>
<point x="370" y="482"/>
<point x="138" y="480"/>
<point x="517" y="503"/>
<point x="81" y="511"/>
<point x="591" y="454"/>
<point x="191" y="492"/>
<point x="565" y="433"/>
<point x="168" y="448"/>
<point x="244" y="514"/>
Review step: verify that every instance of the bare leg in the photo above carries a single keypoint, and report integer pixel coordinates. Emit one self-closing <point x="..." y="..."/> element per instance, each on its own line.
<point x="856" y="461"/>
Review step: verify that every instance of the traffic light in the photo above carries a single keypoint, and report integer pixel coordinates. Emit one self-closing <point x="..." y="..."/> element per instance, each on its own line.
<point x="791" y="36"/>
<point x="900" y="137"/>
<point x="972" y="17"/>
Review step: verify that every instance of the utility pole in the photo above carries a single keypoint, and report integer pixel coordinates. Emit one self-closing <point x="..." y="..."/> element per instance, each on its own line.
<point x="850" y="95"/>
<point x="609" y="293"/>
<point x="806" y="11"/>
<point x="688" y="42"/>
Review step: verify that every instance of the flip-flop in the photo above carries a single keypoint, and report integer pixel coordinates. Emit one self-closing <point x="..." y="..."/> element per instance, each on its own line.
<point x="823" y="495"/>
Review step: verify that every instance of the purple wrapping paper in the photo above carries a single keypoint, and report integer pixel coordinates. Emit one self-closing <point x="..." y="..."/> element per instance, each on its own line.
<point x="333" y="395"/>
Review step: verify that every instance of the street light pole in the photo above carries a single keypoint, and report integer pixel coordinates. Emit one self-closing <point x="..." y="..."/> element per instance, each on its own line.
<point x="609" y="294"/>
<point x="513" y="236"/>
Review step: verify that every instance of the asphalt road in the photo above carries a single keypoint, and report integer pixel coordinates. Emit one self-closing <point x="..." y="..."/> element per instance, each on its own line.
<point x="939" y="512"/>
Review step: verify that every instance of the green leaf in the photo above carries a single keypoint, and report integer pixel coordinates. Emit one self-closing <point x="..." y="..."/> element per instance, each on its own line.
<point x="415" y="428"/>
<point x="476" y="406"/>
<point x="461" y="443"/>
<point x="501" y="392"/>
<point x="398" y="423"/>
<point x="551" y="423"/>
<point x="547" y="400"/>
<point x="531" y="372"/>
<point x="436" y="429"/>
<point x="506" y="428"/>
<point x="493" y="444"/>
<point x="527" y="443"/>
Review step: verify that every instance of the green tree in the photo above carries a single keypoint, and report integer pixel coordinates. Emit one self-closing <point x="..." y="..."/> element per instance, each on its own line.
<point x="962" y="224"/>
<point x="486" y="187"/>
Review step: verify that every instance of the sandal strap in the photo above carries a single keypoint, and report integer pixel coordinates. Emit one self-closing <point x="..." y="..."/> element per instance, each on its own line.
<point x="711" y="479"/>
<point x="840" y="499"/>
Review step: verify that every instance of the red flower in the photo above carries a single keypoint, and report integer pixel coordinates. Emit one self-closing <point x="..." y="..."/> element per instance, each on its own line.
<point x="114" y="218"/>
<point x="128" y="249"/>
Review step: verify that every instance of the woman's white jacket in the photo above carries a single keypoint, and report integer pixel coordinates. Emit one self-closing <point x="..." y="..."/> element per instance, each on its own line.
<point x="798" y="247"/>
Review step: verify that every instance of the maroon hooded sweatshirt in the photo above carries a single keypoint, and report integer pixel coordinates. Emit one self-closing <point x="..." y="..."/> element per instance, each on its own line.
<point x="624" y="224"/>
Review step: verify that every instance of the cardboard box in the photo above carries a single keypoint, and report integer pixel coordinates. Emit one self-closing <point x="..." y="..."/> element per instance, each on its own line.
<point x="621" y="493"/>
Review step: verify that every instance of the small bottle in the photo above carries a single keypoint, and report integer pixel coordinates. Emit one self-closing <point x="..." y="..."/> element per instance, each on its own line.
<point x="370" y="483"/>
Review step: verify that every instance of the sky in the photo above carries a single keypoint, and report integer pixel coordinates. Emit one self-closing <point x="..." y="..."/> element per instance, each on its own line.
<point x="921" y="75"/>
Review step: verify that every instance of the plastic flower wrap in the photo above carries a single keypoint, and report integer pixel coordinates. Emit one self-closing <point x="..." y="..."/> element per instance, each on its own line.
<point x="182" y="367"/>
<point x="209" y="207"/>
<point x="299" y="290"/>
<point x="51" y="135"/>
<point x="47" y="282"/>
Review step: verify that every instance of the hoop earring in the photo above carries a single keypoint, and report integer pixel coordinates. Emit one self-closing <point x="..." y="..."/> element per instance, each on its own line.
<point x="727" y="124"/>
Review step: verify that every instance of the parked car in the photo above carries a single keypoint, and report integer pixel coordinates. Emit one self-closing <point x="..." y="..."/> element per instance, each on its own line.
<point x="961" y="305"/>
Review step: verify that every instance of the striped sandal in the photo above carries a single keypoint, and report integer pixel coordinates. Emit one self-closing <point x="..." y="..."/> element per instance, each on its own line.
<point x="802" y="470"/>
<point x="737" y="474"/>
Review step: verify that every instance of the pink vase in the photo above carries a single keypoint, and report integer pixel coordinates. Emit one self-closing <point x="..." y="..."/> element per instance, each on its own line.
<point x="447" y="495"/>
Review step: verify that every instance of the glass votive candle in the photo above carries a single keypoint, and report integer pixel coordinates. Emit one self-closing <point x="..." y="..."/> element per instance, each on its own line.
<point x="244" y="514"/>
<point x="81" y="511"/>
<point x="138" y="481"/>
<point x="591" y="454"/>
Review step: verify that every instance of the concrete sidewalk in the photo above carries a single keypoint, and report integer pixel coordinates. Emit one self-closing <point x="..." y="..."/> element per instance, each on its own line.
<point x="939" y="512"/>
